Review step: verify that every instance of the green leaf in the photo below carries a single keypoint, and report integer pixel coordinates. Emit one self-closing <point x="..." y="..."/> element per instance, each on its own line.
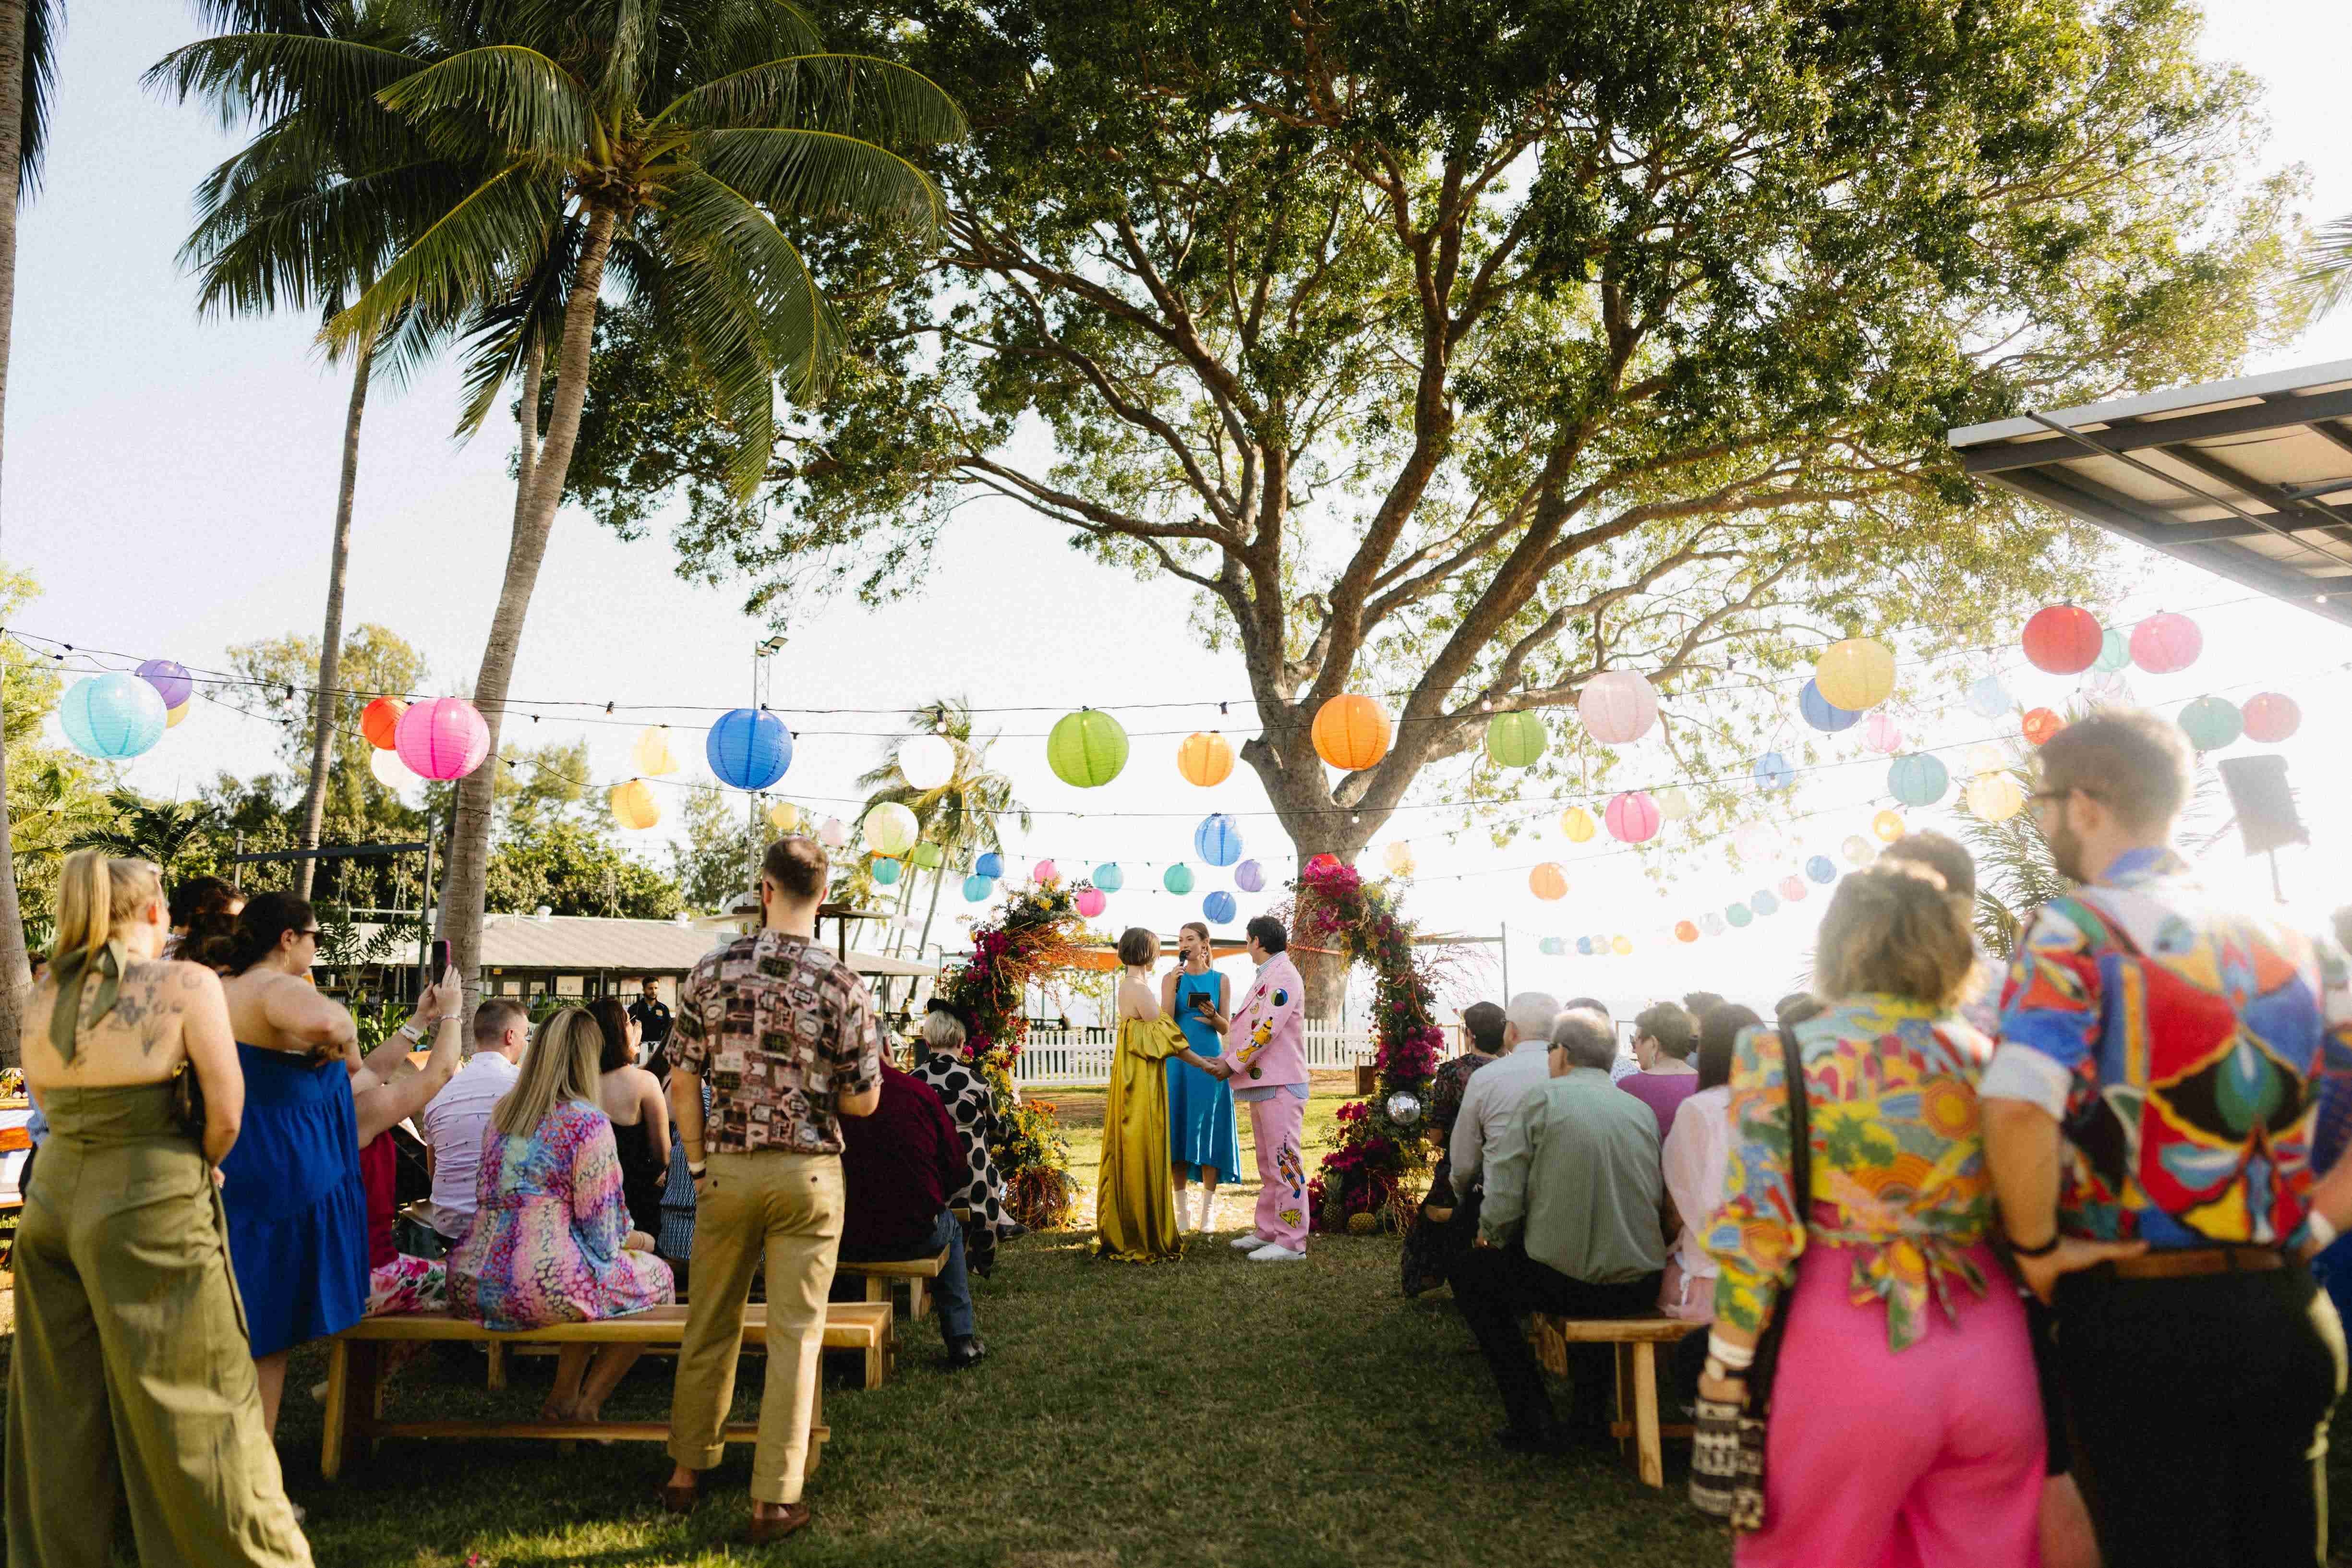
<point x="494" y="233"/>
<point x="855" y="94"/>
<point x="821" y="173"/>
<point x="267" y="76"/>
<point x="533" y="109"/>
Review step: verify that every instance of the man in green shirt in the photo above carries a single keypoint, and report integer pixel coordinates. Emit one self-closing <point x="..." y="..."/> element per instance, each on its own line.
<point x="1570" y="1224"/>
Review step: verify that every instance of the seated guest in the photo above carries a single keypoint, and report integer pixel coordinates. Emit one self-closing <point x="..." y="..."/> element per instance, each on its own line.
<point x="638" y="1108"/>
<point x="674" y="1242"/>
<point x="1696" y="1148"/>
<point x="1445" y="1223"/>
<point x="1569" y="1225"/>
<point x="1664" y="1038"/>
<point x="202" y="908"/>
<point x="970" y="1104"/>
<point x="459" y="1115"/>
<point x="551" y="1241"/>
<point x="1492" y="1093"/>
<point x="898" y="1167"/>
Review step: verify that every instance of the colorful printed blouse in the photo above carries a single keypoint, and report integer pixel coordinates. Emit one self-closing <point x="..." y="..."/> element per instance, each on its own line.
<point x="2199" y="1060"/>
<point x="1898" y="1168"/>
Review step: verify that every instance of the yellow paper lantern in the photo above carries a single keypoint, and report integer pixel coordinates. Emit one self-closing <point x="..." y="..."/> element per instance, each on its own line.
<point x="1350" y="733"/>
<point x="651" y="754"/>
<point x="1205" y="758"/>
<point x="1578" y="823"/>
<point x="171" y="719"/>
<point x="1855" y="674"/>
<point x="1621" y="946"/>
<point x="784" y="816"/>
<point x="633" y="805"/>
<point x="1888" y="825"/>
<point x="1548" y="882"/>
<point x="1996" y="797"/>
<point x="891" y="829"/>
<point x="1397" y="859"/>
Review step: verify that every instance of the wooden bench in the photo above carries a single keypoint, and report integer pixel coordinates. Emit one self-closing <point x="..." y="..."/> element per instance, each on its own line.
<point x="354" y="1417"/>
<point x="1637" y="1341"/>
<point x="912" y="1270"/>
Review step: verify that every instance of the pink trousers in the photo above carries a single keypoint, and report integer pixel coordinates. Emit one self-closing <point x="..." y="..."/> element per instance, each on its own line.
<point x="1925" y="1457"/>
<point x="1276" y="1124"/>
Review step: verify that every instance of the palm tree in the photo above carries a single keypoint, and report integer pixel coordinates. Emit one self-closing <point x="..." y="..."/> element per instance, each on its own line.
<point x="145" y="831"/>
<point x="960" y="816"/>
<point x="2326" y="280"/>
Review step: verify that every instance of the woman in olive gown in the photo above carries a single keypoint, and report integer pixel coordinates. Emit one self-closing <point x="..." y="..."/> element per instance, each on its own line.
<point x="1134" y="1196"/>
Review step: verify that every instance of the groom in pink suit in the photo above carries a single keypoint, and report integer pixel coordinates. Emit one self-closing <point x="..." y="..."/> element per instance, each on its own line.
<point x="1266" y="1044"/>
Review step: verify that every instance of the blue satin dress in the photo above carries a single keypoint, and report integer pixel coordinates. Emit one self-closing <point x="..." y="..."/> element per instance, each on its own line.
<point x="1201" y="1131"/>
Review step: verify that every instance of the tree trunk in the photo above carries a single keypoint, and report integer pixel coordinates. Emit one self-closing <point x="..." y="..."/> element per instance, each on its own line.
<point x="1294" y="779"/>
<point x="331" y="639"/>
<point x="939" y="875"/>
<point x="15" y="975"/>
<point x="538" y="491"/>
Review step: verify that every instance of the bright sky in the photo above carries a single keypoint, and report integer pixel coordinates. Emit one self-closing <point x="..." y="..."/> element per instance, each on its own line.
<point x="171" y="484"/>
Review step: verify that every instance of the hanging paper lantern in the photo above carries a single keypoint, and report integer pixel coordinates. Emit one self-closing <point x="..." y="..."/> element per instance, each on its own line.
<point x="2041" y="723"/>
<point x="633" y="805"/>
<point x="1686" y="932"/>
<point x="1821" y="713"/>
<point x="1218" y="907"/>
<point x="1711" y="923"/>
<point x="444" y="738"/>
<point x="1774" y="774"/>
<point x="990" y="865"/>
<point x="1918" y="779"/>
<point x="651" y="755"/>
<point x="1584" y="947"/>
<point x="1548" y="881"/>
<point x="1350" y="733"/>
<point x="1397" y="859"/>
<point x="1883" y="734"/>
<point x="1086" y="749"/>
<point x="927" y="762"/>
<point x="1984" y="757"/>
<point x="1044" y="871"/>
<point x="884" y="870"/>
<point x="1855" y="674"/>
<point x="1578" y="825"/>
<point x="1888" y="825"/>
<point x="749" y="748"/>
<point x="2271" y="718"/>
<point x="1551" y="946"/>
<point x="1633" y="817"/>
<point x="1793" y="888"/>
<point x="1738" y="914"/>
<point x="1250" y="877"/>
<point x="1821" y="868"/>
<point x="929" y="856"/>
<point x="1995" y="797"/>
<point x="2166" y="643"/>
<point x="380" y="722"/>
<point x="832" y="832"/>
<point x="891" y="829"/>
<point x="2114" y="651"/>
<point x="2212" y="722"/>
<point x="1515" y="739"/>
<point x="1989" y="698"/>
<point x="976" y="887"/>
<point x="1218" y="839"/>
<point x="1618" y="707"/>
<point x="784" y="816"/>
<point x="1762" y="901"/>
<point x="1205" y="758"/>
<point x="1178" y="878"/>
<point x="1674" y="805"/>
<point x="1090" y="901"/>
<point x="1858" y="850"/>
<point x="2063" y="639"/>
<point x="1754" y="840"/>
<point x="1621" y="946"/>
<point x="172" y="720"/>
<point x="389" y="771"/>
<point x="169" y="679"/>
<point x="1108" y="876"/>
<point x="1324" y="863"/>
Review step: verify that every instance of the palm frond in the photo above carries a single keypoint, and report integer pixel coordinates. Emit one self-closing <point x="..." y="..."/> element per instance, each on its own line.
<point x="534" y="110"/>
<point x="823" y="173"/>
<point x="2327" y="279"/>
<point x="490" y="236"/>
<point x="500" y="337"/>
<point x="267" y="76"/>
<point x="42" y="20"/>
<point x="855" y="94"/>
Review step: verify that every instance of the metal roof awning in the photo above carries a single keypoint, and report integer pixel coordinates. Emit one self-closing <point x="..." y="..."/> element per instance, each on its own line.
<point x="2250" y="479"/>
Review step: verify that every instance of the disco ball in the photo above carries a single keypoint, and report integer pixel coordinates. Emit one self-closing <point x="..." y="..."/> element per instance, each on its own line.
<point x="1404" y="1110"/>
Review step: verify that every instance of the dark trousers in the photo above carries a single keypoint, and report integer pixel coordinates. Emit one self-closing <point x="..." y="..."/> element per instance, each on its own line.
<point x="2198" y="1411"/>
<point x="953" y="1286"/>
<point x="1496" y="1286"/>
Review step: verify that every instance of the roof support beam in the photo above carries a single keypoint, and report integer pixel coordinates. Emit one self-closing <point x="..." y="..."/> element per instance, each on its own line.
<point x="2134" y="434"/>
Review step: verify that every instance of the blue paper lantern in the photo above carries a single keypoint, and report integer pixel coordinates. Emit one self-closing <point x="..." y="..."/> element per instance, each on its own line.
<point x="1178" y="878"/>
<point x="1763" y="902"/>
<point x="748" y="749"/>
<point x="112" y="716"/>
<point x="1918" y="779"/>
<point x="1821" y="713"/>
<point x="1218" y="839"/>
<point x="1989" y="698"/>
<point x="1219" y="908"/>
<point x="1821" y="868"/>
<point x="1738" y="914"/>
<point x="884" y="871"/>
<point x="1249" y="876"/>
<point x="1584" y="947"/>
<point x="1551" y="946"/>
<point x="976" y="887"/>
<point x="1773" y="774"/>
<point x="1107" y="878"/>
<point x="990" y="866"/>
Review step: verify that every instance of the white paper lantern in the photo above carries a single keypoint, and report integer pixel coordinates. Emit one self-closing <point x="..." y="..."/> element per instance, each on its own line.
<point x="1618" y="707"/>
<point x="1755" y="841"/>
<point x="1674" y="804"/>
<point x="927" y="762"/>
<point x="651" y="754"/>
<point x="1397" y="859"/>
<point x="1984" y="757"/>
<point x="833" y="834"/>
<point x="389" y="769"/>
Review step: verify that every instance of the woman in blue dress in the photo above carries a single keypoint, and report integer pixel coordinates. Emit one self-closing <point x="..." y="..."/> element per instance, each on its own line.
<point x="1202" y="1138"/>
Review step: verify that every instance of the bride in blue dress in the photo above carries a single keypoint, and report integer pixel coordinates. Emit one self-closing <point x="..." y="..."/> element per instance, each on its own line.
<point x="1202" y="1137"/>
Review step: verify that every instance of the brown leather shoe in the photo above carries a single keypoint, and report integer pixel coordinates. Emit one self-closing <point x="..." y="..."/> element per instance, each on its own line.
<point x="679" y="1500"/>
<point x="770" y="1528"/>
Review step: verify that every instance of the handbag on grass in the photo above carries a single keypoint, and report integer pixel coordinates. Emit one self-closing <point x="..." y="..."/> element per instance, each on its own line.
<point x="1727" y="1450"/>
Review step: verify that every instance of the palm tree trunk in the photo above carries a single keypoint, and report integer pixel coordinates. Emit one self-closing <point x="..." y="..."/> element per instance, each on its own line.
<point x="330" y="641"/>
<point x="15" y="975"/>
<point x="538" y="491"/>
<point x="939" y="875"/>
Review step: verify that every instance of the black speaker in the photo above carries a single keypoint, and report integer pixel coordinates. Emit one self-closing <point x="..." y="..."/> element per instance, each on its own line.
<point x="2264" y="801"/>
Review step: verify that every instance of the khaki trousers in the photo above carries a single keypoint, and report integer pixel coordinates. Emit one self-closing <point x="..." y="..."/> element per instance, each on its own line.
<point x="782" y="1210"/>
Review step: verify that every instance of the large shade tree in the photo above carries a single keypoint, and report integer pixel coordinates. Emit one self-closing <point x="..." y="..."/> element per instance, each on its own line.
<point x="1456" y="354"/>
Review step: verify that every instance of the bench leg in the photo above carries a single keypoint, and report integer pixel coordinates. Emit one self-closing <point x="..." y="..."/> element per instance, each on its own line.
<point x="352" y="1394"/>
<point x="498" y="1359"/>
<point x="874" y="1361"/>
<point x="919" y="1300"/>
<point x="876" y="1287"/>
<point x="1645" y="1414"/>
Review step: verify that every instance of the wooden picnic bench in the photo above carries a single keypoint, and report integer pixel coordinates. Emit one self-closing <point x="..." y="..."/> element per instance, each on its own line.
<point x="354" y="1417"/>
<point x="913" y="1271"/>
<point x="1637" y="1341"/>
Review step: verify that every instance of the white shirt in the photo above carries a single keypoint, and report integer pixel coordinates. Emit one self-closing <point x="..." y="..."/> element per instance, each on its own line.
<point x="1698" y="1148"/>
<point x="1493" y="1092"/>
<point x="454" y="1125"/>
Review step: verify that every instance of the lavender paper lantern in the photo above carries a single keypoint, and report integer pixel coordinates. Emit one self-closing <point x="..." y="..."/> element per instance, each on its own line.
<point x="1774" y="773"/>
<point x="1821" y="713"/>
<point x="1249" y="876"/>
<point x="442" y="738"/>
<point x="169" y="679"/>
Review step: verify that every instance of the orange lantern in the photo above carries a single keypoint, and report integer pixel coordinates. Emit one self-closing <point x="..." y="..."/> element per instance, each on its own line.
<point x="1351" y="732"/>
<point x="1205" y="758"/>
<point x="1548" y="881"/>
<point x="2041" y="723"/>
<point x="633" y="805"/>
<point x="1888" y="825"/>
<point x="380" y="721"/>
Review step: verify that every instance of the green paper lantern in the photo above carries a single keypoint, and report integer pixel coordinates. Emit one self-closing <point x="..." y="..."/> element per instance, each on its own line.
<point x="2212" y="722"/>
<point x="929" y="856"/>
<point x="1515" y="739"/>
<point x="1086" y="749"/>
<point x="1178" y="878"/>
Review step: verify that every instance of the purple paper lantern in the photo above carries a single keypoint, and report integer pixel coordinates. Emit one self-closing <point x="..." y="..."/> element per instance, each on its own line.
<point x="169" y="677"/>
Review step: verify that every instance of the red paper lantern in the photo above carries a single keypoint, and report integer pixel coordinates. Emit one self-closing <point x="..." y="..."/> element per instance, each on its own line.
<point x="2270" y="717"/>
<point x="2063" y="639"/>
<point x="2165" y="643"/>
<point x="2041" y="724"/>
<point x="1324" y="863"/>
<point x="380" y="721"/>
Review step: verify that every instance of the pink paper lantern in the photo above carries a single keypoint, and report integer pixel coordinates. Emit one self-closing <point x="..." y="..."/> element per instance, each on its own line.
<point x="2270" y="717"/>
<point x="442" y="738"/>
<point x="1044" y="871"/>
<point x="1633" y="817"/>
<point x="1793" y="888"/>
<point x="1091" y="902"/>
<point x="1618" y="707"/>
<point x="1882" y="734"/>
<point x="2165" y="643"/>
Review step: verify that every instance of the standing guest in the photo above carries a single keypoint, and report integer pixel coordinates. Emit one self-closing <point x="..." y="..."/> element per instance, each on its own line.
<point x="1905" y="1424"/>
<point x="1699" y="1004"/>
<point x="551" y="1242"/>
<point x="653" y="1019"/>
<point x="39" y="964"/>
<point x="1569" y="1225"/>
<point x="201" y="907"/>
<point x="1269" y="1041"/>
<point x="2165" y="1062"/>
<point x="1203" y="1138"/>
<point x="1446" y="1224"/>
<point x="898" y="1167"/>
<point x="1664" y="1038"/>
<point x="1980" y="1000"/>
<point x="1135" y="1199"/>
<point x="635" y="1103"/>
<point x="785" y="1034"/>
<point x="459" y="1115"/>
<point x="1695" y="1155"/>
<point x="132" y="1378"/>
<point x="1493" y="1092"/>
<point x="971" y="1105"/>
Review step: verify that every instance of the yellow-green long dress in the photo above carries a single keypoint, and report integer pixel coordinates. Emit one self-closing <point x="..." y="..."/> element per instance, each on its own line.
<point x="1134" y="1196"/>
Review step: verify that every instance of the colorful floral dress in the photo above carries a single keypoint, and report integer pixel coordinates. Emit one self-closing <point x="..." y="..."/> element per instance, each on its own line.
<point x="546" y="1243"/>
<point x="1899" y="1167"/>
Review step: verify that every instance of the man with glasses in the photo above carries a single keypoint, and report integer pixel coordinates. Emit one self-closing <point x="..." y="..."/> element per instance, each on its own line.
<point x="2150" y="1117"/>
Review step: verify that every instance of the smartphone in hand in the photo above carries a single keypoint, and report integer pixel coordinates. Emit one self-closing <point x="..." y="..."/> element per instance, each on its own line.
<point x="440" y="960"/>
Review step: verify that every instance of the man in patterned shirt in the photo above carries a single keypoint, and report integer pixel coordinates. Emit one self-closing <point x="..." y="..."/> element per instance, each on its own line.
<point x="784" y="1035"/>
<point x="2149" y="1119"/>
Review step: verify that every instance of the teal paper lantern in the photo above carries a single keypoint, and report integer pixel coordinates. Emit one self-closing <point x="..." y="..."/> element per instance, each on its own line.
<point x="1108" y="878"/>
<point x="1178" y="878"/>
<point x="2114" y="651"/>
<point x="2212" y="722"/>
<point x="112" y="716"/>
<point x="1219" y="908"/>
<point x="976" y="887"/>
<point x="1738" y="914"/>
<point x="884" y="871"/>
<point x="1086" y="749"/>
<point x="1218" y="839"/>
<point x="1917" y="780"/>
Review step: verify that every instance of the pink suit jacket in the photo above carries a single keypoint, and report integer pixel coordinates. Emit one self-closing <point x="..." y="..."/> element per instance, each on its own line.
<point x="1268" y="1039"/>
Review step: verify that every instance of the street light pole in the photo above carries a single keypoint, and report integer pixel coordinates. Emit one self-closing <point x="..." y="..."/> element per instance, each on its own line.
<point x="759" y="657"/>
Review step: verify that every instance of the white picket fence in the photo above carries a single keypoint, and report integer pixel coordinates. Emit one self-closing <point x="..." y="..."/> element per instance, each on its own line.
<point x="1078" y="1059"/>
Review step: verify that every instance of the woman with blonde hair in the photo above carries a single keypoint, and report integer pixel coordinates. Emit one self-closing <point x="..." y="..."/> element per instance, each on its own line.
<point x="1135" y="1194"/>
<point x="131" y="1377"/>
<point x="1903" y="1421"/>
<point x="551" y="1242"/>
<point x="971" y="1105"/>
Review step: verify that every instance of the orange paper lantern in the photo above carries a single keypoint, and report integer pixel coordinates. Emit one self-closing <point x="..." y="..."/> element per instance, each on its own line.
<point x="633" y="805"/>
<point x="2041" y="723"/>
<point x="1351" y="732"/>
<point x="380" y="721"/>
<point x="1205" y="759"/>
<point x="1548" y="882"/>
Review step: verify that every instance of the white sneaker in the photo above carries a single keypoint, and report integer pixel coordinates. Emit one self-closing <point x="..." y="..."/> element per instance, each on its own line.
<point x="1274" y="1252"/>
<point x="1250" y="1241"/>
